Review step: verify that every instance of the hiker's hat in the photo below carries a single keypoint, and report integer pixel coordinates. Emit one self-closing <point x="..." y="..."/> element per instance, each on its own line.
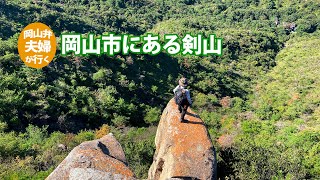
<point x="183" y="82"/>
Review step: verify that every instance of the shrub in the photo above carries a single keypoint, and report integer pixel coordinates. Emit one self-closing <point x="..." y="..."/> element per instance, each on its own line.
<point x="119" y="120"/>
<point x="104" y="130"/>
<point x="84" y="136"/>
<point x="3" y="126"/>
<point x="152" y="115"/>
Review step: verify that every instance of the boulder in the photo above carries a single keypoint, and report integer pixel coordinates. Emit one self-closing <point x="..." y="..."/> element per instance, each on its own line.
<point x="183" y="149"/>
<point x="98" y="159"/>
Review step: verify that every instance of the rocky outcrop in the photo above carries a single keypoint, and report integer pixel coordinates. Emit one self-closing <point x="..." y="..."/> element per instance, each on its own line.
<point x="98" y="159"/>
<point x="183" y="150"/>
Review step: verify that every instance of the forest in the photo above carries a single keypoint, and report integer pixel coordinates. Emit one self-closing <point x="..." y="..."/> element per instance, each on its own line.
<point x="260" y="100"/>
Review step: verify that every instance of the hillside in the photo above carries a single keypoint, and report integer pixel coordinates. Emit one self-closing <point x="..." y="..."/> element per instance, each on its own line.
<point x="279" y="129"/>
<point x="259" y="101"/>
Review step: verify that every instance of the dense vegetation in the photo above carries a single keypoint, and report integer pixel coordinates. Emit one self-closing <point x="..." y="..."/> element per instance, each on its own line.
<point x="260" y="100"/>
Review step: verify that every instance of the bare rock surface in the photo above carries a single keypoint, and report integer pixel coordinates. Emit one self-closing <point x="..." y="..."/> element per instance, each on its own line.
<point x="183" y="149"/>
<point x="100" y="159"/>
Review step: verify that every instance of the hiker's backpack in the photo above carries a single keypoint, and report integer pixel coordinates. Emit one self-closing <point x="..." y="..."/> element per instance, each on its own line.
<point x="180" y="96"/>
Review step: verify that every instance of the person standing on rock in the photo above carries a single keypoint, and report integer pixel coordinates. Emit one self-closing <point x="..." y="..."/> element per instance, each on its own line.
<point x="182" y="97"/>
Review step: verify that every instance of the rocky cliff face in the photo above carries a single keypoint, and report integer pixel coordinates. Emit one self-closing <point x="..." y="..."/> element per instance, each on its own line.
<point x="183" y="150"/>
<point x="98" y="159"/>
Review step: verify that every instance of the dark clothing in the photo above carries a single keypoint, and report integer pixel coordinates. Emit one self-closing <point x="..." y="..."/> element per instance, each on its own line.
<point x="183" y="108"/>
<point x="186" y="90"/>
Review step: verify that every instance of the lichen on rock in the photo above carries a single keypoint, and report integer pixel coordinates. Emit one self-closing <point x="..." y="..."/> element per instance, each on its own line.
<point x="98" y="159"/>
<point x="183" y="149"/>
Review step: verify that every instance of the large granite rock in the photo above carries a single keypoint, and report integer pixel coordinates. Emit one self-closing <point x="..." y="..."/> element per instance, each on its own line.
<point x="183" y="150"/>
<point x="94" y="160"/>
